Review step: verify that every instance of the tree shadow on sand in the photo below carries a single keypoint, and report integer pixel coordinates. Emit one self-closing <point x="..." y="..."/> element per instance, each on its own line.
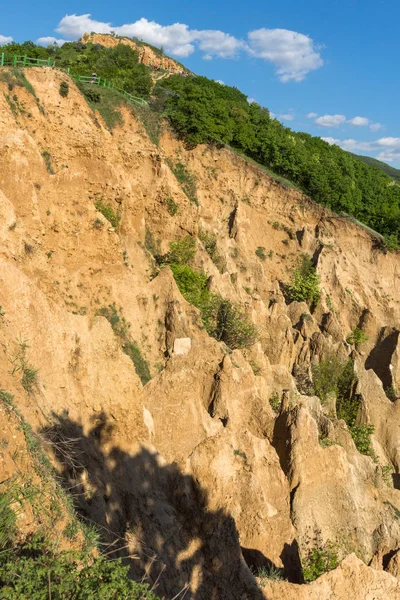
<point x="153" y="516"/>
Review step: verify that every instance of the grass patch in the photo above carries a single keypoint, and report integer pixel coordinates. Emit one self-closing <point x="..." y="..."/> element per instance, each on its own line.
<point x="107" y="211"/>
<point x="209" y="241"/>
<point x="260" y="252"/>
<point x="186" y="179"/>
<point x="29" y="375"/>
<point x="356" y="337"/>
<point x="151" y="120"/>
<point x="222" y="319"/>
<point x="305" y="283"/>
<point x="106" y="101"/>
<point x="172" y="206"/>
<point x="319" y="561"/>
<point x="47" y="161"/>
<point x="121" y="327"/>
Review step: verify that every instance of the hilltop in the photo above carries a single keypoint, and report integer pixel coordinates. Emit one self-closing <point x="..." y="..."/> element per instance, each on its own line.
<point x="200" y="363"/>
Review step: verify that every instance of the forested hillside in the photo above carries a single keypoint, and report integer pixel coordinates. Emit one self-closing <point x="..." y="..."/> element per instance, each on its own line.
<point x="203" y="111"/>
<point x="378" y="164"/>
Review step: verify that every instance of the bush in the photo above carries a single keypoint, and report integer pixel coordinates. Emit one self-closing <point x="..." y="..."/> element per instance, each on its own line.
<point x="108" y="212"/>
<point x="64" y="89"/>
<point x="260" y="252"/>
<point x="121" y="327"/>
<point x="356" y="337"/>
<point x="91" y="94"/>
<point x="183" y="251"/>
<point x="186" y="179"/>
<point x="209" y="241"/>
<point x="222" y="319"/>
<point x="361" y="435"/>
<point x="319" y="561"/>
<point x="37" y="569"/>
<point x="304" y="286"/>
<point x="328" y="375"/>
<point x="172" y="207"/>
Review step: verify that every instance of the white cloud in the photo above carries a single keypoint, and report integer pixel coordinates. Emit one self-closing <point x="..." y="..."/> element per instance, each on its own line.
<point x="218" y="43"/>
<point x="48" y="41"/>
<point x="359" y="121"/>
<point x="293" y="54"/>
<point x="5" y="39"/>
<point x="330" y="120"/>
<point x="312" y="115"/>
<point x="289" y="116"/>
<point x="252" y="101"/>
<point x="388" y="156"/>
<point x="331" y="140"/>
<point x="375" y="126"/>
<point x="219" y="81"/>
<point x="389" y="142"/>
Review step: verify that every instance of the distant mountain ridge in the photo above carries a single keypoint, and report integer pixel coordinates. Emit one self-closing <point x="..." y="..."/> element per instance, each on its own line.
<point x="382" y="166"/>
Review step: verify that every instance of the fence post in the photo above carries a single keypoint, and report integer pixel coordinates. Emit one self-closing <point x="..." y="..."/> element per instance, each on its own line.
<point x="2" y="59"/>
<point x="49" y="61"/>
<point x="98" y="80"/>
<point x="68" y="70"/>
<point x="15" y="60"/>
<point x="24" y="61"/>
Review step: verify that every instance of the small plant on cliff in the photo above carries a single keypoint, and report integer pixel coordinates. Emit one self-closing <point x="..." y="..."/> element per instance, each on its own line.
<point x="357" y="337"/>
<point x="47" y="161"/>
<point x="209" y="241"/>
<point x="64" y="89"/>
<point x="183" y="251"/>
<point x="270" y="572"/>
<point x="121" y="327"/>
<point x="186" y="179"/>
<point x="275" y="401"/>
<point x="327" y="375"/>
<point x="222" y="319"/>
<point x="29" y="375"/>
<point x="108" y="212"/>
<point x="304" y="285"/>
<point x="260" y="252"/>
<point x="172" y="206"/>
<point x="319" y="561"/>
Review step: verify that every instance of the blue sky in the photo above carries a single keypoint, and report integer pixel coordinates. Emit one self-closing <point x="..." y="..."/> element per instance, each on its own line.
<point x="329" y="68"/>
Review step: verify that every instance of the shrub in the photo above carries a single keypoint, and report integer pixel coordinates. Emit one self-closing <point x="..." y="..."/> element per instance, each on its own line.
<point x="37" y="568"/>
<point x="222" y="319"/>
<point x="318" y="561"/>
<point x="361" y="435"/>
<point x="121" y="327"/>
<point x="275" y="402"/>
<point x="304" y="286"/>
<point x="270" y="572"/>
<point x="140" y="363"/>
<point x="64" y="89"/>
<point x="260" y="252"/>
<point x="209" y="241"/>
<point x="186" y="179"/>
<point x="172" y="207"/>
<point x="91" y="94"/>
<point x="356" y="337"/>
<point x="183" y="251"/>
<point x="108" y="212"/>
<point x="47" y="160"/>
<point x="152" y="245"/>
<point x="327" y="376"/>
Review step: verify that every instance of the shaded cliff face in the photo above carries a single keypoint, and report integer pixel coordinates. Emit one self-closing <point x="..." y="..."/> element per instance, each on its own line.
<point x="202" y="479"/>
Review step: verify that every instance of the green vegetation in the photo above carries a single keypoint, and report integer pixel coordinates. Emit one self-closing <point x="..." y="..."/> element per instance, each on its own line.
<point x="304" y="285"/>
<point x="209" y="241"/>
<point x="387" y="169"/>
<point x="64" y="89"/>
<point x="106" y="101"/>
<point x="172" y="207"/>
<point x="260" y="252"/>
<point x="270" y="572"/>
<point x="29" y="375"/>
<point x="47" y="161"/>
<point x="333" y="375"/>
<point x="183" y="251"/>
<point x="108" y="212"/>
<point x="203" y="111"/>
<point x="121" y="327"/>
<point x="240" y="453"/>
<point x="356" y="337"/>
<point x="319" y="561"/>
<point x="222" y="319"/>
<point x="275" y="402"/>
<point x="186" y="179"/>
